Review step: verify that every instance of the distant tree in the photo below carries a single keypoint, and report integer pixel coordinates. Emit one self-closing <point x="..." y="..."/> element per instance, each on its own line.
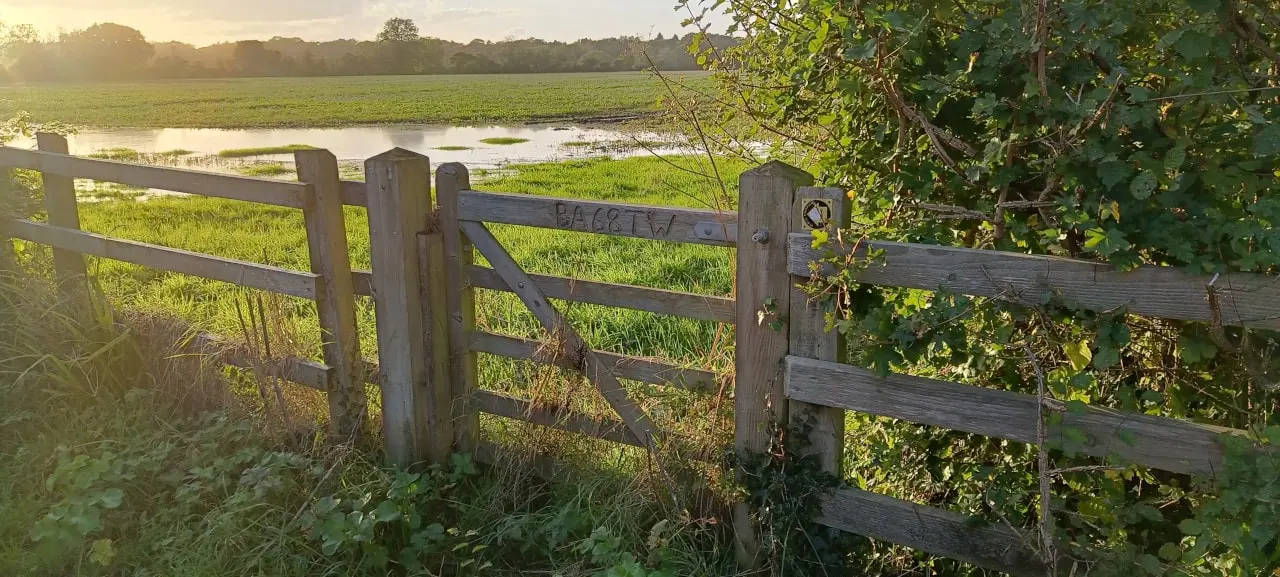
<point x="107" y="51"/>
<point x="399" y="30"/>
<point x="253" y="58"/>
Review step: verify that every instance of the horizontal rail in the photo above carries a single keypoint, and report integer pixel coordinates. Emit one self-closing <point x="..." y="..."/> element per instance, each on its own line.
<point x="611" y="218"/>
<point x="633" y="368"/>
<point x="932" y="530"/>
<point x="1169" y="444"/>
<point x="522" y="410"/>
<point x="302" y="371"/>
<point x="259" y="276"/>
<point x="354" y="193"/>
<point x="260" y="190"/>
<point x="682" y="304"/>
<point x="1165" y="292"/>
<point x="363" y="281"/>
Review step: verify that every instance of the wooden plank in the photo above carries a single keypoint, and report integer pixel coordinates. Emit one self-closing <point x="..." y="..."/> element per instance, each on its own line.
<point x="1154" y="291"/>
<point x="764" y="212"/>
<point x="302" y="371"/>
<point x="596" y="369"/>
<point x="1169" y="444"/>
<point x="260" y="190"/>
<point x="327" y="244"/>
<point x="399" y="197"/>
<point x="626" y="367"/>
<point x="451" y="179"/>
<point x="354" y="193"/>
<point x="682" y="304"/>
<point x="610" y="218"/>
<point x="932" y="530"/>
<point x="253" y="275"/>
<point x="434" y="281"/>
<point x="808" y="330"/>
<point x="521" y="410"/>
<point x="362" y="282"/>
<point x="60" y="204"/>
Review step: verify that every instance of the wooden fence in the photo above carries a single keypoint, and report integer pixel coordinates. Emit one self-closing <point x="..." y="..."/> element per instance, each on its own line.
<point x="424" y="277"/>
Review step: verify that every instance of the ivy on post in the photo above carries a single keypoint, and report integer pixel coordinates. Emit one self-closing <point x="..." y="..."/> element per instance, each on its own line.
<point x="399" y="190"/>
<point x="60" y="203"/>
<point x="764" y="286"/>
<point x="335" y="298"/>
<point x="821" y="212"/>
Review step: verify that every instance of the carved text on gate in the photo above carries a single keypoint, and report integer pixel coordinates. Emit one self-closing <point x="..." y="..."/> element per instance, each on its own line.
<point x="625" y="221"/>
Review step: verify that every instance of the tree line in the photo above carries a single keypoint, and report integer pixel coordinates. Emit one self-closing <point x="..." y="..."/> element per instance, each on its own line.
<point x="115" y="52"/>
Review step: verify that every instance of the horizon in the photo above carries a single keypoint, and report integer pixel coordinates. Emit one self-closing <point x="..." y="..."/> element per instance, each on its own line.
<point x="203" y="24"/>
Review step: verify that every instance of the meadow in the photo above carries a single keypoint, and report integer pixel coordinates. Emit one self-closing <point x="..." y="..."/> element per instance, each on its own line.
<point x="340" y="101"/>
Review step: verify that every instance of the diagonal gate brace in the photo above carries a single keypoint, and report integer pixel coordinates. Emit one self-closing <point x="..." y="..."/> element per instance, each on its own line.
<point x="598" y="371"/>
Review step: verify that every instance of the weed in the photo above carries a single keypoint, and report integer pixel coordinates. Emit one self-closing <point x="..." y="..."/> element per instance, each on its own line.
<point x="263" y="150"/>
<point x="504" y="140"/>
<point x="266" y="169"/>
<point x="121" y="154"/>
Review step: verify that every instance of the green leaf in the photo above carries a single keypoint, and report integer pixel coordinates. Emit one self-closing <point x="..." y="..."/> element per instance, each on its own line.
<point x="1194" y="44"/>
<point x="1174" y="159"/>
<point x="112" y="498"/>
<point x="1106" y="358"/>
<point x="1113" y="173"/>
<point x="1191" y="527"/>
<point x="1194" y="349"/>
<point x="1080" y="354"/>
<point x="386" y="511"/>
<point x="1266" y="142"/>
<point x="863" y="51"/>
<point x="1170" y="552"/>
<point x="1143" y="185"/>
<point x="1150" y="564"/>
<point x="1205" y="6"/>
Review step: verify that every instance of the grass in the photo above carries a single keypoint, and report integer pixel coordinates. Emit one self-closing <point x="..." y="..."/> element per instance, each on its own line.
<point x="311" y="102"/>
<point x="176" y="153"/>
<point x="453" y="148"/>
<point x="123" y="453"/>
<point x="266" y="169"/>
<point x="121" y="154"/>
<point x="504" y="140"/>
<point x="578" y="144"/>
<point x="263" y="150"/>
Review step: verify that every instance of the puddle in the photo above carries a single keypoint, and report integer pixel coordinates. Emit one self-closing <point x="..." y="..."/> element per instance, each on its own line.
<point x="461" y="143"/>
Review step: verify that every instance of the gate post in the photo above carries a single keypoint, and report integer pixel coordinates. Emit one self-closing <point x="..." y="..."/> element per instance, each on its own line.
<point x="336" y="295"/>
<point x="399" y="191"/>
<point x="818" y="209"/>
<point x="766" y="196"/>
<point x="452" y="179"/>
<point x="60" y="204"/>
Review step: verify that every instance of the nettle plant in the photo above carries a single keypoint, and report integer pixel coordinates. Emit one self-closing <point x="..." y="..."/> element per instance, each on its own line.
<point x="1134" y="133"/>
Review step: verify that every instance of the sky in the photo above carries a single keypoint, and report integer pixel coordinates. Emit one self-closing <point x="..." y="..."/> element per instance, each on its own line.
<point x="203" y="22"/>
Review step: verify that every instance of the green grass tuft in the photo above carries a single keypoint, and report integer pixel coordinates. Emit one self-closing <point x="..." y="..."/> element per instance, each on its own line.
<point x="272" y="169"/>
<point x="504" y="140"/>
<point x="176" y="153"/>
<point x="578" y="144"/>
<point x="453" y="148"/>
<point x="264" y="150"/>
<point x="121" y="154"/>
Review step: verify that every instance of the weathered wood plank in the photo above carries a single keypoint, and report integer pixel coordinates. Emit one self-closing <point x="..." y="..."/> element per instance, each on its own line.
<point x="362" y="282"/>
<point x="305" y="372"/>
<point x="932" y="530"/>
<point x="399" y="200"/>
<point x="260" y="190"/>
<point x="434" y="281"/>
<point x="355" y="193"/>
<point x="765" y="201"/>
<point x="618" y="219"/>
<point x="327" y="245"/>
<point x="451" y="180"/>
<point x="825" y="209"/>
<point x="60" y="204"/>
<point x="512" y="408"/>
<point x="1168" y="444"/>
<point x="253" y="275"/>
<point x="596" y="369"/>
<point x="626" y="367"/>
<point x="1154" y="291"/>
<point x="682" y="304"/>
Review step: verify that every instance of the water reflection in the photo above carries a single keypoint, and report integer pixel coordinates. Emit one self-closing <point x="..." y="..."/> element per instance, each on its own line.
<point x="543" y="143"/>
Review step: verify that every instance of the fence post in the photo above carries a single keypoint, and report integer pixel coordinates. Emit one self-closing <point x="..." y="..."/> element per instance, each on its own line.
<point x="60" y="203"/>
<point x="399" y="192"/>
<point x="766" y="195"/>
<point x="335" y="298"/>
<point x="451" y="179"/>
<point x="818" y="209"/>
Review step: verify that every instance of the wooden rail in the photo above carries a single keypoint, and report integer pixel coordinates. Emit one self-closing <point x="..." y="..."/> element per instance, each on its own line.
<point x="599" y="428"/>
<point x="1169" y="444"/>
<point x="260" y="190"/>
<point x="1165" y="292"/>
<point x="685" y="225"/>
<point x="268" y="278"/>
<point x="626" y="367"/>
<point x="682" y="304"/>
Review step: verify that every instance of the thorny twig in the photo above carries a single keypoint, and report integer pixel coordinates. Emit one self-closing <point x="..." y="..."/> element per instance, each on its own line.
<point x="1046" y="499"/>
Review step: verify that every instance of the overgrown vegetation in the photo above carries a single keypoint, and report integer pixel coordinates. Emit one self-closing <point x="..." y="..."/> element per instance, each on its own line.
<point x="1131" y="133"/>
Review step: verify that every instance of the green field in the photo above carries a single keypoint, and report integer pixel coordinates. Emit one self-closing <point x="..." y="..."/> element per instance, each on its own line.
<point x="338" y="101"/>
